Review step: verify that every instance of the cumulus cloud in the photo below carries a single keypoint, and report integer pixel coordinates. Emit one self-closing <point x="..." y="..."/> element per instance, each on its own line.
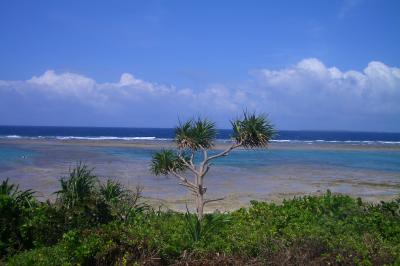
<point x="128" y="101"/>
<point x="305" y="95"/>
<point x="310" y="89"/>
<point x="376" y="88"/>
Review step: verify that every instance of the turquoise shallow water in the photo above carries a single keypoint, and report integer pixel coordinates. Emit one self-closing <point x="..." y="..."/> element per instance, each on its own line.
<point x="352" y="159"/>
<point x="11" y="155"/>
<point x="369" y="160"/>
<point x="284" y="170"/>
<point x="379" y="160"/>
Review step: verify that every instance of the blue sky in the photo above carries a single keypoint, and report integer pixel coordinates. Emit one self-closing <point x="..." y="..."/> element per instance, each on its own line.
<point x="309" y="64"/>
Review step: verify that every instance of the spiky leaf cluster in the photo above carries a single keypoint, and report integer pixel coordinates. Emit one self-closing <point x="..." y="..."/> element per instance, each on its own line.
<point x="78" y="187"/>
<point x="252" y="131"/>
<point x="20" y="197"/>
<point x="195" y="134"/>
<point x="165" y="162"/>
<point x="112" y="191"/>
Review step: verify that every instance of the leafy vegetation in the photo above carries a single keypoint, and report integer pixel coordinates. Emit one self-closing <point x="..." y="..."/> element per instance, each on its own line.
<point x="202" y="229"/>
<point x="82" y="202"/>
<point x="78" y="188"/>
<point x="252" y="131"/>
<point x="15" y="205"/>
<point x="19" y="197"/>
<point x="313" y="230"/>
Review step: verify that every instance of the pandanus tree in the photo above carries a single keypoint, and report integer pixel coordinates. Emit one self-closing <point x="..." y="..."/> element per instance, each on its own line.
<point x="195" y="138"/>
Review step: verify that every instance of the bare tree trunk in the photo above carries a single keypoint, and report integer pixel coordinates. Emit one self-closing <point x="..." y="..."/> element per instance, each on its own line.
<point x="200" y="194"/>
<point x="200" y="205"/>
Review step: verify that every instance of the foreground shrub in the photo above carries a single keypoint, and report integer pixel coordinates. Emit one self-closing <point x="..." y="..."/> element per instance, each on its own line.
<point x="325" y="230"/>
<point x="106" y="245"/>
<point x="15" y="208"/>
<point x="82" y="202"/>
<point x="78" y="188"/>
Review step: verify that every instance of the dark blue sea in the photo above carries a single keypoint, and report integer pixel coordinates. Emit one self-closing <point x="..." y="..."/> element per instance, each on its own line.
<point x="362" y="164"/>
<point x="110" y="133"/>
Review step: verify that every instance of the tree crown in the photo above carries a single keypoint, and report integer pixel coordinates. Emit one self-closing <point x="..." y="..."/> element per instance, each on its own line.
<point x="195" y="134"/>
<point x="166" y="161"/>
<point x="252" y="131"/>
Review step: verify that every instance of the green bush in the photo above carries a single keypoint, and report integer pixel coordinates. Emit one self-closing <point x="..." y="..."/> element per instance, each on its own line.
<point x="329" y="229"/>
<point x="15" y="209"/>
<point x="78" y="188"/>
<point x="83" y="202"/>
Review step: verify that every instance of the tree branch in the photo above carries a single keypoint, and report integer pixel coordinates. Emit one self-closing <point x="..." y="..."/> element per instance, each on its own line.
<point x="225" y="152"/>
<point x="191" y="160"/>
<point x="191" y="166"/>
<point x="205" y="155"/>
<point x="212" y="200"/>
<point x="185" y="182"/>
<point x="193" y="190"/>
<point x="207" y="168"/>
<point x="202" y="171"/>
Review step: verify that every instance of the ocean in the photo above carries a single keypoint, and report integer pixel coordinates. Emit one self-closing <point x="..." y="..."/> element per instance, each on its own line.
<point x="361" y="164"/>
<point x="113" y="133"/>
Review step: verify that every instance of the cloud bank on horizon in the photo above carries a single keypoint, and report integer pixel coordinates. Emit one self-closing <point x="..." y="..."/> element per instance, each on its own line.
<point x="306" y="95"/>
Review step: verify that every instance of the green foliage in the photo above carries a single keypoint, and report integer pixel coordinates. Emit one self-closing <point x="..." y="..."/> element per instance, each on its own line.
<point x="15" y="208"/>
<point x="195" y="134"/>
<point x="80" y="199"/>
<point x="123" y="203"/>
<point x="312" y="230"/>
<point x="46" y="224"/>
<point x="194" y="226"/>
<point x="252" y="131"/>
<point x="203" y="229"/>
<point x="82" y="203"/>
<point x="44" y="256"/>
<point x="165" y="162"/>
<point x="112" y="191"/>
<point x="19" y="197"/>
<point x="78" y="187"/>
<point x="391" y="209"/>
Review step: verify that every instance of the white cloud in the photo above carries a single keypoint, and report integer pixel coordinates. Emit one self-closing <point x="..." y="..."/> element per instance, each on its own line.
<point x="305" y="95"/>
<point x="128" y="79"/>
<point x="375" y="90"/>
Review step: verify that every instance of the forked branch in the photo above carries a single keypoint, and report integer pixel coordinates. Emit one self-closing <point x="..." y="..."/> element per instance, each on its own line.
<point x="189" y="164"/>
